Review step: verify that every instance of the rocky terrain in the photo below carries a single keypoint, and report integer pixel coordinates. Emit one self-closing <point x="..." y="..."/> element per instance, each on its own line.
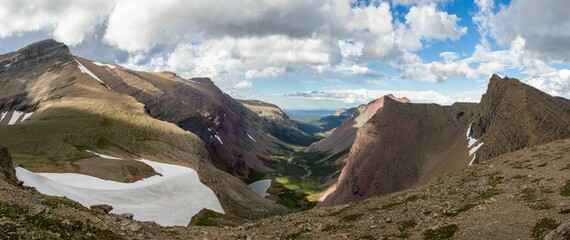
<point x="520" y="195"/>
<point x="511" y="116"/>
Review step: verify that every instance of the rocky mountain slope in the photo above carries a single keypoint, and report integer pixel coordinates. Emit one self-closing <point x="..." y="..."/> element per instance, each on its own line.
<point x="408" y="144"/>
<point x="520" y="195"/>
<point x="56" y="108"/>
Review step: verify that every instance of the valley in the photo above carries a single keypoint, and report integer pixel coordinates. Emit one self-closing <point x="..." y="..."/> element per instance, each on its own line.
<point x="166" y="155"/>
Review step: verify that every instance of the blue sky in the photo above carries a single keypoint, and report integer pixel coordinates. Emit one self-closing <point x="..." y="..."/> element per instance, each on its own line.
<point x="321" y="54"/>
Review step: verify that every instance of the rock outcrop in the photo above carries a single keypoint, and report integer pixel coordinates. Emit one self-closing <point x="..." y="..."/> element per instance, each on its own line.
<point x="7" y="172"/>
<point x="513" y="115"/>
<point x="404" y="145"/>
<point x="401" y="146"/>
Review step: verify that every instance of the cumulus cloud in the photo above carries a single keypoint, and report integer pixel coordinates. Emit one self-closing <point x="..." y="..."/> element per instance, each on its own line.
<point x="542" y="24"/>
<point x="243" y="84"/>
<point x="68" y="19"/>
<point x="556" y="83"/>
<point x="424" y="22"/>
<point x="365" y="96"/>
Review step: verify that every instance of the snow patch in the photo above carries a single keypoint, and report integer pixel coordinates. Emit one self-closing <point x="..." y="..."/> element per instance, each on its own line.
<point x="15" y="116"/>
<point x="219" y="139"/>
<point x="474" y="149"/>
<point x="104" y="156"/>
<point x="3" y="116"/>
<point x="104" y="65"/>
<point x="260" y="187"/>
<point x="251" y="137"/>
<point x="470" y="139"/>
<point x="473" y="160"/>
<point x="169" y="200"/>
<point x="85" y="70"/>
<point x="26" y="116"/>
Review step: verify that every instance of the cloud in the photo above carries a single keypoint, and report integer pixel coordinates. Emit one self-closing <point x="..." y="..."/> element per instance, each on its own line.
<point x="266" y="72"/>
<point x="69" y="20"/>
<point x="556" y="83"/>
<point x="409" y="3"/>
<point x="243" y="84"/>
<point x="542" y="24"/>
<point x="365" y="96"/>
<point x="424" y="22"/>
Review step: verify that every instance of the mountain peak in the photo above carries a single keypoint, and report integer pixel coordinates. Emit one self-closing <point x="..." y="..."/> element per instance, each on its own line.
<point x="41" y="48"/>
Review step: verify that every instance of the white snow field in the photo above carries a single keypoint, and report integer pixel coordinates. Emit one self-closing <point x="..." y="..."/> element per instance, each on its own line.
<point x="26" y="116"/>
<point x="104" y="65"/>
<point x="3" y="116"/>
<point x="169" y="200"/>
<point x="15" y="116"/>
<point x="86" y="71"/>
<point x="472" y="141"/>
<point x="260" y="187"/>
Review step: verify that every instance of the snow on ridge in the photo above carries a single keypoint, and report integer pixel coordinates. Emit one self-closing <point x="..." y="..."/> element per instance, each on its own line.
<point x="473" y="159"/>
<point x="26" y="116"/>
<point x="85" y="70"/>
<point x="260" y="187"/>
<point x="169" y="200"/>
<point x="219" y="139"/>
<point x="474" y="149"/>
<point x="251" y="137"/>
<point x="3" y="116"/>
<point x="104" y="156"/>
<point x="15" y="116"/>
<point x="470" y="139"/>
<point x="104" y="65"/>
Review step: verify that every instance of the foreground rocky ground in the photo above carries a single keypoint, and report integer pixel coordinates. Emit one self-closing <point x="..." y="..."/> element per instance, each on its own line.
<point x="522" y="195"/>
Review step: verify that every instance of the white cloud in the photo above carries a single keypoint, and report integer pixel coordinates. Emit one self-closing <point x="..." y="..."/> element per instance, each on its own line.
<point x="543" y="24"/>
<point x="354" y="96"/>
<point x="556" y="83"/>
<point x="267" y="72"/>
<point x="243" y="84"/>
<point x="69" y="20"/>
<point x="424" y="22"/>
<point x="417" y="2"/>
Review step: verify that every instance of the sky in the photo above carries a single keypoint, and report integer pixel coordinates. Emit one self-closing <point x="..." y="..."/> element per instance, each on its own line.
<point x="314" y="54"/>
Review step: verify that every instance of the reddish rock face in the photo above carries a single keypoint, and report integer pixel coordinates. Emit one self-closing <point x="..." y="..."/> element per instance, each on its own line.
<point x="403" y="145"/>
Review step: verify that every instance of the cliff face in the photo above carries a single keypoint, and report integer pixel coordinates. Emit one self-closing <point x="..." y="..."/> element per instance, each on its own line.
<point x="403" y="145"/>
<point x="513" y="115"/>
<point x="7" y="172"/>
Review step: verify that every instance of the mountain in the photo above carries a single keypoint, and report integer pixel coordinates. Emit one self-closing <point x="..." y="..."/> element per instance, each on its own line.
<point x="405" y="145"/>
<point x="278" y="124"/>
<point x="343" y="136"/>
<point x="513" y="115"/>
<point x="66" y="114"/>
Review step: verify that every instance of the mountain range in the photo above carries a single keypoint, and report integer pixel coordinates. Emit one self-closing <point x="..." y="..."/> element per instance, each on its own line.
<point x="126" y="143"/>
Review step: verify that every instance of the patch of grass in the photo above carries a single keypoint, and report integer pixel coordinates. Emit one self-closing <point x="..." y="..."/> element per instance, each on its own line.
<point x="106" y="123"/>
<point x="565" y="190"/>
<point x="495" y="180"/>
<point x="406" y="225"/>
<point x="367" y="237"/>
<point x="37" y="222"/>
<point x="441" y="233"/>
<point x="529" y="196"/>
<point x="352" y="217"/>
<point x="462" y="209"/>
<point x="104" y="143"/>
<point x="519" y="177"/>
<point x="391" y="206"/>
<point x="542" y="227"/>
<point x="297" y="234"/>
<point x="489" y="193"/>
<point x="329" y="228"/>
